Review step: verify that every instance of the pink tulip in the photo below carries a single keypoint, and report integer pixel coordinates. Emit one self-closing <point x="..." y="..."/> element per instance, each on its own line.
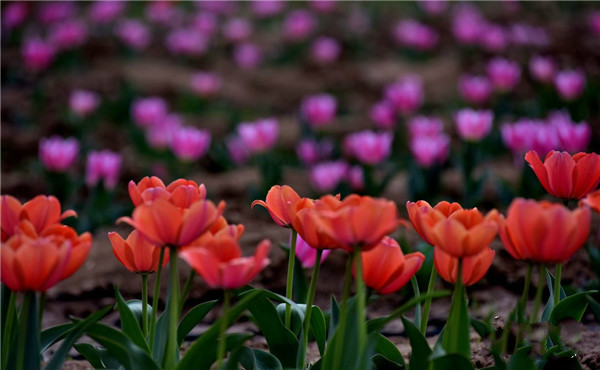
<point x="405" y="95"/>
<point x="133" y="34"/>
<point x="595" y="23"/>
<point x="83" y="103"/>
<point x="247" y="55"/>
<point x="103" y="165"/>
<point x="467" y="24"/>
<point x="189" y="143"/>
<point x="56" y="11"/>
<point x="542" y="69"/>
<point x="429" y="150"/>
<point x="298" y="25"/>
<point x="307" y="254"/>
<point x="205" y="23"/>
<point x="163" y="12"/>
<point x="267" y="9"/>
<point x="325" y="50"/>
<point x="14" y="14"/>
<point x="237" y="29"/>
<point x="238" y="151"/>
<point x="106" y="11"/>
<point x="323" y="6"/>
<point x="147" y="112"/>
<point x="259" y="136"/>
<point x="319" y="110"/>
<point x="475" y="89"/>
<point x="415" y="35"/>
<point x="159" y="135"/>
<point x="356" y="178"/>
<point x="504" y="74"/>
<point x="206" y="84"/>
<point x="308" y="151"/>
<point x="186" y="41"/>
<point x="326" y="176"/>
<point x="494" y="38"/>
<point x="68" y="34"/>
<point x="570" y="84"/>
<point x="433" y="7"/>
<point x="473" y="125"/>
<point x="384" y="115"/>
<point x="370" y="147"/>
<point x="527" y="35"/>
<point x="421" y="126"/>
<point x="37" y="54"/>
<point x="58" y="154"/>
<point x="573" y="137"/>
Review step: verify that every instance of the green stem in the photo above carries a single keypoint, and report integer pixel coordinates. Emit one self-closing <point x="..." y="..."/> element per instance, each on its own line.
<point x="557" y="278"/>
<point x="222" y="330"/>
<point x="6" y="336"/>
<point x="309" y="302"/>
<point x="145" y="305"/>
<point x="525" y="296"/>
<point x="417" y="292"/>
<point x="186" y="290"/>
<point x="28" y="350"/>
<point x="170" y="359"/>
<point x="347" y="281"/>
<point x="290" y="280"/>
<point x="360" y="301"/>
<point x="538" y="294"/>
<point x="430" y="287"/>
<point x="155" y="297"/>
<point x="341" y="324"/>
<point x="41" y="307"/>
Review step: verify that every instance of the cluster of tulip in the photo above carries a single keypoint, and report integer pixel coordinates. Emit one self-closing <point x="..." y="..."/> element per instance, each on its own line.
<point x="177" y="220"/>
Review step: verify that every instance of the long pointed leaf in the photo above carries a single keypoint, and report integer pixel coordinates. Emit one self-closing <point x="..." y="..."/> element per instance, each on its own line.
<point x="388" y="350"/>
<point x="192" y="318"/>
<point x="318" y="326"/>
<point x="572" y="307"/>
<point x="129" y="324"/>
<point x="456" y="337"/>
<point x="54" y="334"/>
<point x="419" y="357"/>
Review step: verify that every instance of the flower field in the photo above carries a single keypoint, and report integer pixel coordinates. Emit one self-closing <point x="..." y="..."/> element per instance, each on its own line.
<point x="300" y="185"/>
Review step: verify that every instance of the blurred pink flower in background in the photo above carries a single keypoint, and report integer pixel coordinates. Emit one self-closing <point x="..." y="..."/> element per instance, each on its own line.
<point x="307" y="254"/>
<point x="415" y="34"/>
<point x="205" y="22"/>
<point x="529" y="134"/>
<point x="595" y="23"/>
<point x="56" y="11"/>
<point x="163" y="12"/>
<point x="319" y="110"/>
<point x="147" y="112"/>
<point x="238" y="151"/>
<point x="356" y="178"/>
<point x="267" y="9"/>
<point x="542" y="69"/>
<point x="526" y="35"/>
<point x="467" y="24"/>
<point x="326" y="176"/>
<point x="159" y="134"/>
<point x="103" y="165"/>
<point x="406" y="94"/>
<point x="425" y="126"/>
<point x="429" y="150"/>
<point x="323" y="6"/>
<point x="473" y="125"/>
<point x="504" y="74"/>
<point x="475" y="90"/>
<point x="433" y="7"/>
<point x="83" y="102"/>
<point x="106" y="11"/>
<point x="573" y="137"/>
<point x="37" y="54"/>
<point x="247" y="55"/>
<point x="133" y="34"/>
<point x="308" y="151"/>
<point x="58" y="154"/>
<point x="569" y="84"/>
<point x="68" y="34"/>
<point x="325" y="50"/>
<point x="298" y="25"/>
<point x="206" y="84"/>
<point x="384" y="115"/>
<point x="237" y="29"/>
<point x="259" y="136"/>
<point x="493" y="38"/>
<point x="14" y="14"/>
<point x="189" y="143"/>
<point x="217" y="6"/>
<point x="186" y="41"/>
<point x="369" y="147"/>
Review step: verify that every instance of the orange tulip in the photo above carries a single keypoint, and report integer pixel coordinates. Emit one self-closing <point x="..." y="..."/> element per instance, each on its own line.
<point x="182" y="193"/>
<point x="164" y="224"/>
<point x="307" y="224"/>
<point x="566" y="176"/>
<point x="360" y="221"/>
<point x="136" y="253"/>
<point x="474" y="267"/>
<point x="221" y="264"/>
<point x="592" y="200"/>
<point x="36" y="262"/>
<point x="282" y="202"/>
<point x="42" y="211"/>
<point x="386" y="269"/>
<point x="424" y="217"/>
<point x="543" y="231"/>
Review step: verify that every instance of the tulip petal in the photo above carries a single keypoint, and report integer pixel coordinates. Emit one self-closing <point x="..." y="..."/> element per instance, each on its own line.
<point x="560" y="167"/>
<point x="586" y="175"/>
<point x="412" y="264"/>
<point x="540" y="170"/>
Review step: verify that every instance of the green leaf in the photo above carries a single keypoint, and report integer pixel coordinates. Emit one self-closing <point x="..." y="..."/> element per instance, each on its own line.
<point x="192" y="318"/>
<point x="595" y="306"/>
<point x="300" y="284"/>
<point x="255" y="359"/>
<point x="318" y="326"/>
<point x="572" y="307"/>
<point x="202" y="352"/>
<point x="297" y="319"/>
<point x="129" y="324"/>
<point x="383" y="363"/>
<point x="520" y="360"/>
<point x="97" y="357"/>
<point x="386" y="350"/>
<point x="550" y="305"/>
<point x="561" y="358"/>
<point x="334" y="316"/>
<point x="135" y="306"/>
<point x="482" y="328"/>
<point x="160" y="335"/>
<point x="53" y="335"/>
<point x="452" y="361"/>
<point x="456" y="336"/>
<point x="121" y="347"/>
<point x="32" y="335"/>
<point x="79" y="327"/>
<point x="419" y="357"/>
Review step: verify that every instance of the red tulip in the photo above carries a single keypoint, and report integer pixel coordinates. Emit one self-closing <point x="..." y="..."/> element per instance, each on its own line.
<point x="386" y="269"/>
<point x="306" y="222"/>
<point x="282" y="202"/>
<point x="424" y="217"/>
<point x="592" y="200"/>
<point x="474" y="267"/>
<point x="136" y="253"/>
<point x="566" y="176"/>
<point x="182" y="193"/>
<point x="542" y="231"/>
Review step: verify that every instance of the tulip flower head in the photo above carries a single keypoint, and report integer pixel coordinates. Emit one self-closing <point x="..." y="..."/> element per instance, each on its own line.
<point x="148" y="112"/>
<point x="186" y="41"/>
<point x="565" y="176"/>
<point x="473" y="125"/>
<point x="83" y="103"/>
<point x="405" y="95"/>
<point x="181" y="193"/>
<point x="237" y="29"/>
<point x="103" y="165"/>
<point x="423" y="217"/>
<point x="325" y="50"/>
<point x="326" y="176"/>
<point x="570" y="84"/>
<point x="205" y="84"/>
<point x="102" y="12"/>
<point x="136" y="253"/>
<point x="58" y="154"/>
<point x="430" y="150"/>
<point x="190" y="143"/>
<point x="134" y="34"/>
<point x="298" y="25"/>
<point x="592" y="200"/>
<point x="307" y="254"/>
<point x="68" y="34"/>
<point x="504" y="74"/>
<point x="474" y="267"/>
<point x="306" y="222"/>
<point x="259" y="136"/>
<point x="247" y="55"/>
<point x="319" y="110"/>
<point x="37" y="54"/>
<point x="282" y="202"/>
<point x="14" y="14"/>
<point x="414" y="34"/>
<point x="542" y="69"/>
<point x="475" y="89"/>
<point x="542" y="231"/>
<point x="384" y="115"/>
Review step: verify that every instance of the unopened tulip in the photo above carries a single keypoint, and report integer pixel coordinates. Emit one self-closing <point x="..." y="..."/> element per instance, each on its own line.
<point x="566" y="176"/>
<point x="247" y="55"/>
<point x="148" y="112"/>
<point x="319" y="110"/>
<point x="83" y="102"/>
<point x="103" y="165"/>
<point x="259" y="136"/>
<point x="325" y="50"/>
<point x="190" y="143"/>
<point x="504" y="74"/>
<point x="473" y="125"/>
<point x="474" y="267"/>
<point x="298" y="25"/>
<point x="542" y="231"/>
<point x="475" y="89"/>
<point x="384" y="115"/>
<point x="58" y="154"/>
<point x="430" y="150"/>
<point x="422" y="126"/>
<point x="136" y="253"/>
<point x="370" y="147"/>
<point x="542" y="69"/>
<point x="569" y="84"/>
<point x="405" y="95"/>
<point x="386" y="269"/>
<point x="326" y="176"/>
<point x="37" y="54"/>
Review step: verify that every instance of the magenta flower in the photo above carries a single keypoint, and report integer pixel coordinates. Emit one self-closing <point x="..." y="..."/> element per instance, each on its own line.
<point x="163" y="12"/>
<point x="298" y="25"/>
<point x="68" y="34"/>
<point x="425" y="126"/>
<point x="494" y="38"/>
<point x="384" y="115"/>
<point x="370" y="147"/>
<point x="206" y="84"/>
<point x="504" y="74"/>
<point x="238" y="151"/>
<point x="103" y="165"/>
<point x="527" y="35"/>
<point x="106" y="11"/>
<point x="573" y="137"/>
<point x="415" y="34"/>
<point x="542" y="69"/>
<point x="56" y="11"/>
<point x="237" y="29"/>
<point x="308" y="151"/>
<point x="186" y="41"/>
<point x="260" y="135"/>
<point x="326" y="176"/>
<point x="467" y="24"/>
<point x="307" y="254"/>
<point x="319" y="110"/>
<point x="159" y="135"/>
<point x="325" y="50"/>
<point x="134" y="34"/>
<point x="595" y="23"/>
<point x="37" y="54"/>
<point x="476" y="90"/>
<point x="529" y="134"/>
<point x="429" y="150"/>
<point x="205" y="23"/>
<point x="356" y="178"/>
<point x="267" y="9"/>
<point x="83" y="102"/>
<point x="14" y="14"/>
<point x="433" y="7"/>
<point x="569" y="84"/>
<point x="323" y="6"/>
<point x="405" y="95"/>
<point x="58" y="154"/>
<point x="473" y="125"/>
<point x="247" y="55"/>
<point x="189" y="143"/>
<point x="147" y="112"/>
